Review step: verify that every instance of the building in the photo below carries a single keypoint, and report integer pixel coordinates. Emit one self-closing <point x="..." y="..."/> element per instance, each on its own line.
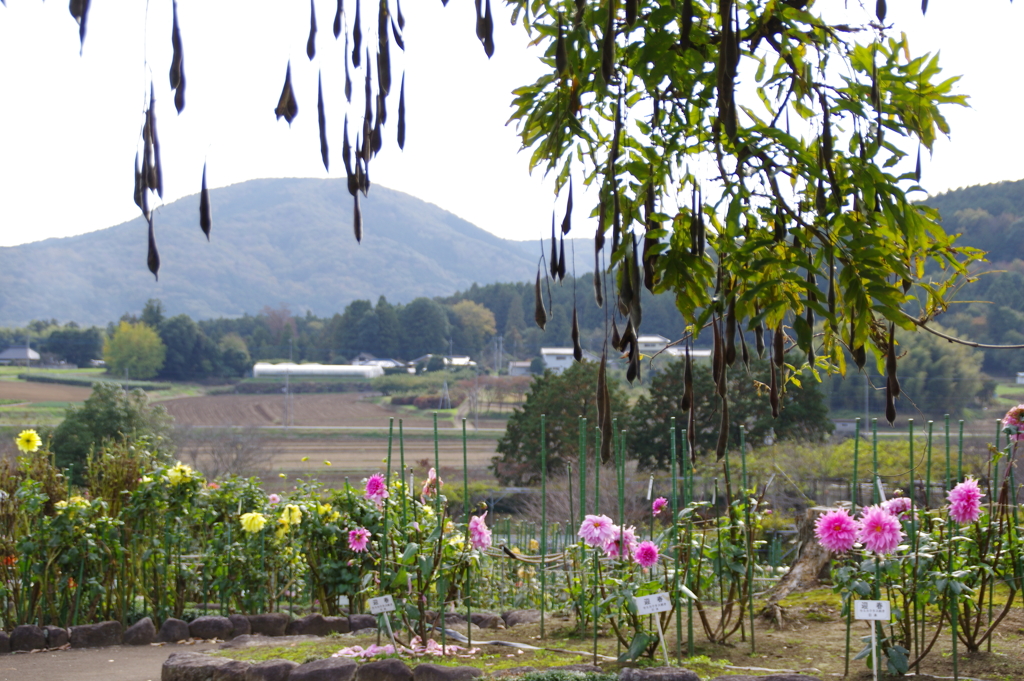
<point x="23" y="356"/>
<point x="560" y="359"/>
<point x="1020" y="377"/>
<point x="517" y="368"/>
<point x="283" y="369"/>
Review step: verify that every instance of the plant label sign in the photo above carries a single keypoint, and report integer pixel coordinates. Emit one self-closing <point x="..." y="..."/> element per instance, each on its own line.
<point x="382" y="604"/>
<point x="648" y="605"/>
<point x="871" y="610"/>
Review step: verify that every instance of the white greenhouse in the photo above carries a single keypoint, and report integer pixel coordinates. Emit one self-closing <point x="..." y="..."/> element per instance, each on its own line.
<point x="341" y="370"/>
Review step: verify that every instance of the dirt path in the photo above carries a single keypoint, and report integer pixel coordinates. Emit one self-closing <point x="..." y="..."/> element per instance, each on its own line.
<point x="118" y="663"/>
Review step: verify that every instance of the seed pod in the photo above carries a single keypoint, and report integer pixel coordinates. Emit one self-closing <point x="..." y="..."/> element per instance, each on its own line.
<point x="730" y="332"/>
<point x="139" y="186"/>
<point x="924" y="6"/>
<point x="890" y="363"/>
<point x="553" y="262"/>
<point x="205" y="217"/>
<point x="890" y="407"/>
<point x="778" y="346"/>
<point x="625" y="287"/>
<point x="337" y="19"/>
<point x="723" y="431"/>
<point x="401" y="115"/>
<point x="635" y="310"/>
<point x="820" y="204"/>
<point x="598" y="295"/>
<point x="831" y="288"/>
<point x="311" y="41"/>
<point x="561" y="55"/>
<point x="880" y="10"/>
<point x="691" y="432"/>
<point x="810" y="343"/>
<point x="581" y="7"/>
<point x="286" y="104"/>
<point x="357" y="220"/>
<point x="567" y="220"/>
<point x="601" y="226"/>
<point x="860" y="356"/>
<point x="80" y="11"/>
<point x="152" y="257"/>
<point x="631" y="11"/>
<point x="539" y="314"/>
<point x="346" y="154"/>
<point x="157" y="177"/>
<point x="917" y="168"/>
<point x="321" y="120"/>
<point x="773" y="390"/>
<point x="561" y="258"/>
<point x="632" y="369"/>
<point x="745" y="354"/>
<point x="780" y="227"/>
<point x="685" y="24"/>
<point x="357" y="38"/>
<point x="175" y="73"/>
<point x="616" y="216"/>
<point x="577" y="349"/>
<point x="701" y="231"/>
<point x="488" y="39"/>
<point x="686" y="404"/>
<point x="383" y="51"/>
<point x="616" y="338"/>
<point x="606" y="422"/>
<point x="608" y="45"/>
<point x="717" y="351"/>
<point x="179" y="93"/>
<point x="397" y="36"/>
<point x="401" y="18"/>
<point x="628" y="337"/>
<point x="348" y="77"/>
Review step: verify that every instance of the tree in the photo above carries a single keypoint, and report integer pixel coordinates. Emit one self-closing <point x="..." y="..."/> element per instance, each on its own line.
<point x="153" y="313"/>
<point x="472" y="325"/>
<point x="134" y="350"/>
<point x="389" y="334"/>
<point x="562" y="399"/>
<point x="109" y="413"/>
<point x="425" y="328"/>
<point x="234" y="354"/>
<point x="346" y="328"/>
<point x="190" y="354"/>
<point x="77" y="346"/>
<point x="804" y="414"/>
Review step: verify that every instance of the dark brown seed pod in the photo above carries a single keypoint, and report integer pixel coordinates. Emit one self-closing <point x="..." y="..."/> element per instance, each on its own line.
<point x="80" y="11"/>
<point x="205" y="214"/>
<point x="357" y="37"/>
<point x="723" y="431"/>
<point x="577" y="349"/>
<point x="179" y="93"/>
<point x="779" y="346"/>
<point x="357" y="220"/>
<point x="773" y="390"/>
<point x="322" y="121"/>
<point x="488" y="39"/>
<point x="158" y="175"/>
<point x="717" y="350"/>
<point x="687" y="402"/>
<point x="346" y="156"/>
<point x="616" y="218"/>
<point x="401" y="114"/>
<point x="337" y="19"/>
<point x="616" y="337"/>
<point x="759" y="339"/>
<point x="730" y="332"/>
<point x="598" y="294"/>
<point x="860" y="356"/>
<point x="831" y="288"/>
<point x="602" y="220"/>
<point x="744" y="353"/>
<point x="581" y="8"/>
<point x="632" y="369"/>
<point x="553" y="261"/>
<point x="820" y="203"/>
<point x="685" y="24"/>
<point x="561" y="258"/>
<point x="311" y="41"/>
<point x="397" y="36"/>
<point x="139" y="186"/>
<point x="286" y="105"/>
<point x="810" y="343"/>
<point x="917" y="168"/>
<point x="539" y="314"/>
<point x="401" y="18"/>
<point x="608" y="45"/>
<point x="152" y="256"/>
<point x="175" y="73"/>
<point x="890" y="407"/>
<point x="567" y="220"/>
<point x="780" y="227"/>
<point x="383" y="51"/>
<point x="890" y="363"/>
<point x="606" y="422"/>
<point x="924" y="6"/>
<point x="636" y="284"/>
<point x="880" y="10"/>
<point x="631" y="9"/>
<point x="691" y="432"/>
<point x="561" y="54"/>
<point x="348" y="77"/>
<point x="628" y="337"/>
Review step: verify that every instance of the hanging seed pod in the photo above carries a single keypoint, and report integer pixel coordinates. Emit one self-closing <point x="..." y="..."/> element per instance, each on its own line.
<point x="744" y="353"/>
<point x="631" y="10"/>
<point x="539" y="314"/>
<point x="598" y="294"/>
<point x="553" y="261"/>
<point x="880" y="10"/>
<point x="717" y="350"/>
<point x="890" y="407"/>
<point x="561" y="55"/>
<point x="139" y="185"/>
<point x="602" y="219"/>
<point x="176" y="55"/>
<point x="606" y="422"/>
<point x="179" y="93"/>
<point x="773" y="390"/>
<point x="383" y="51"/>
<point x="820" y="203"/>
<point x="321" y="121"/>
<point x="917" y="168"/>
<point x="397" y="36"/>
<point x="561" y="258"/>
<point x="80" y="11"/>
<point x="701" y="230"/>
<point x="685" y="24"/>
<point x="357" y="38"/>
<point x="780" y="227"/>
<point x="831" y="287"/>
<point x="357" y="221"/>
<point x="616" y="338"/>
<point x="686" y="403"/>
<point x="625" y="288"/>
<point x="401" y="18"/>
<point x="608" y="45"/>
<point x="488" y="39"/>
<point x="636" y="278"/>
<point x="337" y="19"/>
<point x="577" y="349"/>
<point x="157" y="177"/>
<point x="348" y="77"/>
<point x="730" y="331"/>
<point x="723" y="431"/>
<point x="346" y="154"/>
<point x="650" y="261"/>
<point x="691" y="432"/>
<point x="892" y="381"/>
<point x="311" y="41"/>
<point x="286" y="104"/>
<point x="778" y="347"/>
<point x="616" y="217"/>
<point x="581" y="7"/>
<point x="633" y="368"/>
<point x="924" y="6"/>
<point x="628" y="337"/>
<point x="759" y="339"/>
<point x="205" y="217"/>
<point x="567" y="220"/>
<point x="401" y="115"/>
<point x="152" y="256"/>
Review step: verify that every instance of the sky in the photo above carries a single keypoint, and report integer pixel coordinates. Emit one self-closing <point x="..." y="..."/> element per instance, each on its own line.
<point x="70" y="124"/>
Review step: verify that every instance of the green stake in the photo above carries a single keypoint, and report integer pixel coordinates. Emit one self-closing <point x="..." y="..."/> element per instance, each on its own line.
<point x="465" y="505"/>
<point x="949" y="469"/>
<point x="440" y="526"/>
<point x="675" y="541"/>
<point x="960" y="454"/>
<point x="928" y="469"/>
<point x="583" y="467"/>
<point x="405" y="482"/>
<point x="854" y="486"/>
<point x="750" y="536"/>
<point x="543" y="516"/>
<point x="874" y="461"/>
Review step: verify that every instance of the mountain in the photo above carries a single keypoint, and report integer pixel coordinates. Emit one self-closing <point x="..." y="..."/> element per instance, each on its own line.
<point x="989" y="217"/>
<point x="273" y="241"/>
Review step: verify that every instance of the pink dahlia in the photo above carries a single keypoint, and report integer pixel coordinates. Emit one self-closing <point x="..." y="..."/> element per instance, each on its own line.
<point x="623" y="542"/>
<point x="880" y="532"/>
<point x="274" y="499"/>
<point x="646" y="554"/>
<point x="597" y="530"/>
<point x="836" y="530"/>
<point x="433" y="483"/>
<point x="358" y="539"/>
<point x="897" y="506"/>
<point x="479" y="533"/>
<point x="659" y="505"/>
<point x="1015" y="419"/>
<point x="376" y="489"/>
<point x="965" y="501"/>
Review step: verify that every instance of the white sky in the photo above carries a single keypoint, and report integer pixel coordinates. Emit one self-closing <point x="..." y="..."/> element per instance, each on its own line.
<point x="69" y="125"/>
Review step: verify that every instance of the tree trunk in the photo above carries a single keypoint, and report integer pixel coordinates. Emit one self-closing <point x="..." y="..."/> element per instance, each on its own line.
<point x="812" y="562"/>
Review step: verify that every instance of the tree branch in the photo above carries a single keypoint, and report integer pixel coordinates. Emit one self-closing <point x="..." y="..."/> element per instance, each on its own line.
<point x="923" y="325"/>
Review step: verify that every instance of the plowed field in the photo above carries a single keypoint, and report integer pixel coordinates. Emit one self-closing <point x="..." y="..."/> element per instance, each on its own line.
<point x="26" y="391"/>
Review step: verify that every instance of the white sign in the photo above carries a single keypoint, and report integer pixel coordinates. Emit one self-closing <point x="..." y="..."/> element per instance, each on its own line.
<point x="871" y="610"/>
<point x="648" y="605"/>
<point x="382" y="604"/>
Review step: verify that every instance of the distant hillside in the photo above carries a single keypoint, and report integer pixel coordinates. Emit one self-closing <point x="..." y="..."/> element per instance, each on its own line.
<point x="990" y="217"/>
<point x="273" y="241"/>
